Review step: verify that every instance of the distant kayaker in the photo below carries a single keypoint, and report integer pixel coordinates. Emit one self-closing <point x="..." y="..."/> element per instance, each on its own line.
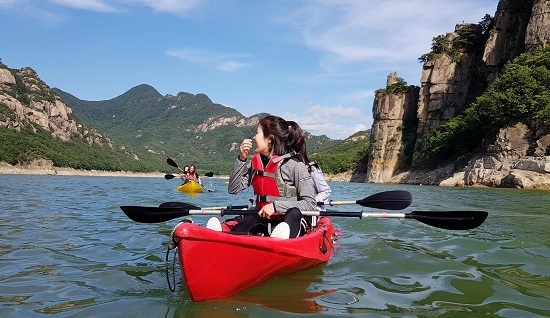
<point x="184" y="175"/>
<point x="282" y="184"/>
<point x="192" y="174"/>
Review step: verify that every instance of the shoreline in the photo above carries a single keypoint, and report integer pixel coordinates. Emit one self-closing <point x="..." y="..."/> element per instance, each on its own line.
<point x="6" y="168"/>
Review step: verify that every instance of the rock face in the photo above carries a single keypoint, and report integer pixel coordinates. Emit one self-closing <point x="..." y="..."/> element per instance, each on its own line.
<point x="507" y="39"/>
<point x="33" y="104"/>
<point x="538" y="32"/>
<point x="445" y="87"/>
<point x="392" y="115"/>
<point x="515" y="159"/>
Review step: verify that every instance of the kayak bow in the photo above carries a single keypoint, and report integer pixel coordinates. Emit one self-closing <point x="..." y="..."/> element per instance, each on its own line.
<point x="245" y="260"/>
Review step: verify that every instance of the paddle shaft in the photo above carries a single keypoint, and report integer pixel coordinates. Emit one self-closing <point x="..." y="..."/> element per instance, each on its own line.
<point x="234" y="211"/>
<point x="237" y="211"/>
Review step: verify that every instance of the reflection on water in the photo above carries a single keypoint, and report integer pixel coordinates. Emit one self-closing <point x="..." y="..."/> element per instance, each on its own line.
<point x="66" y="249"/>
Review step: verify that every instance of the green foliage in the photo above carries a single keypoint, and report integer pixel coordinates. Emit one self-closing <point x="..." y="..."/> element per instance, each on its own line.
<point x="398" y="88"/>
<point x="520" y="94"/>
<point x="21" y="147"/>
<point x="469" y="39"/>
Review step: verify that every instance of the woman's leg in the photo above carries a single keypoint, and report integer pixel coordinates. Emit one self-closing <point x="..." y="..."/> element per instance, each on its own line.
<point x="293" y="218"/>
<point x="251" y="224"/>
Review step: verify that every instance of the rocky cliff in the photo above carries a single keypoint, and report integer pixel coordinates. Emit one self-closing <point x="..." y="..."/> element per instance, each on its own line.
<point x="26" y="101"/>
<point x="518" y="158"/>
<point x="394" y="116"/>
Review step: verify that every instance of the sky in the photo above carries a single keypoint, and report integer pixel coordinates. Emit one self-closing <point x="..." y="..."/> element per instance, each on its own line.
<point x="317" y="62"/>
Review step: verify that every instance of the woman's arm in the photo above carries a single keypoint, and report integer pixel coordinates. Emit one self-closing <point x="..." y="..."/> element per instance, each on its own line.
<point x="295" y="173"/>
<point x="321" y="185"/>
<point x="239" y="178"/>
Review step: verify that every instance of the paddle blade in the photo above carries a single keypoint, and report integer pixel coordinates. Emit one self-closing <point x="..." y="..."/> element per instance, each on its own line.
<point x="171" y="162"/>
<point x="179" y="205"/>
<point x="169" y="176"/>
<point x="450" y="220"/>
<point x="209" y="174"/>
<point x="167" y="211"/>
<point x="389" y="200"/>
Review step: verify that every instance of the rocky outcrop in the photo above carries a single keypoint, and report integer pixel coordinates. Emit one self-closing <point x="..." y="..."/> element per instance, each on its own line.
<point x="393" y="114"/>
<point x="6" y="78"/>
<point x="33" y="104"/>
<point x="514" y="160"/>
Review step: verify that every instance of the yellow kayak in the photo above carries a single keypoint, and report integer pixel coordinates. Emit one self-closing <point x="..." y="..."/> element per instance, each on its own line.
<point x="190" y="186"/>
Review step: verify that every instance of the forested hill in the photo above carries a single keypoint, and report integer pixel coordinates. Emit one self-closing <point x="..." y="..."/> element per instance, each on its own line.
<point x="135" y="131"/>
<point x="189" y="128"/>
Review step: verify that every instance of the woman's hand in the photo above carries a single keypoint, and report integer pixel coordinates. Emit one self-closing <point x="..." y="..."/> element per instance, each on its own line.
<point x="245" y="148"/>
<point x="267" y="211"/>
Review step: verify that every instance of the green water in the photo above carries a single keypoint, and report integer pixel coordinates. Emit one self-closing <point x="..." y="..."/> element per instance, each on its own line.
<point x="67" y="250"/>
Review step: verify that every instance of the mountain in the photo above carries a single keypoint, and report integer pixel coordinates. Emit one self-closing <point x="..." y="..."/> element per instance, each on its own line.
<point x="188" y="128"/>
<point x="37" y="126"/>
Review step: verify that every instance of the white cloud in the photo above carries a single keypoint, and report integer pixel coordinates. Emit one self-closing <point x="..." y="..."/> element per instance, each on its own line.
<point x="377" y="31"/>
<point x="7" y="3"/>
<point x="222" y="62"/>
<point x="333" y="121"/>
<point x="93" y="5"/>
<point x="178" y="7"/>
<point x="359" y="95"/>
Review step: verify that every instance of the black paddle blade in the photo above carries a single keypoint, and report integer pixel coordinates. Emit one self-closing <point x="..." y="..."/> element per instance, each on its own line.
<point x="388" y="200"/>
<point x="167" y="211"/>
<point x="450" y="220"/>
<point x="169" y="176"/>
<point x="171" y="162"/>
<point x="209" y="174"/>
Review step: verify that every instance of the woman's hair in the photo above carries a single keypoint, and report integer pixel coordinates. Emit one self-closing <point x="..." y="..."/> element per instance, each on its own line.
<point x="285" y="136"/>
<point x="192" y="168"/>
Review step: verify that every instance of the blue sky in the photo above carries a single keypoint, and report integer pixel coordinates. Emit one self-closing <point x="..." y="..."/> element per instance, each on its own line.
<point x="316" y="62"/>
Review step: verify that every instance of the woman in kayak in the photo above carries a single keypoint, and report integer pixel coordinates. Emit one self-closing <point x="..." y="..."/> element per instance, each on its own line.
<point x="183" y="176"/>
<point x="192" y="174"/>
<point x="282" y="184"/>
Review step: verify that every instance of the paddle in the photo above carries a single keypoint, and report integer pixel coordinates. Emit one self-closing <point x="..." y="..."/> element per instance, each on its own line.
<point x="389" y="200"/>
<point x="449" y="220"/>
<point x="172" y="163"/>
<point x="171" y="176"/>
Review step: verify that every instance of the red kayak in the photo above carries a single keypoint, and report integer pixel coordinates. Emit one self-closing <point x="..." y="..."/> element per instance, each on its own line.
<point x="218" y="264"/>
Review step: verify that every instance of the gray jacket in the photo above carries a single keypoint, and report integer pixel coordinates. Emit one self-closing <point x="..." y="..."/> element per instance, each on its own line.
<point x="294" y="173"/>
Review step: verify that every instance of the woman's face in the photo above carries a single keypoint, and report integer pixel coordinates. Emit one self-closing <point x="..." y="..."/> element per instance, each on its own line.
<point x="263" y="144"/>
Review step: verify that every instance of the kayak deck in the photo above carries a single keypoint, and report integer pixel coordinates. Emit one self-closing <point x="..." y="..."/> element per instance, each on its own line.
<point x="218" y="264"/>
<point x="190" y="186"/>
